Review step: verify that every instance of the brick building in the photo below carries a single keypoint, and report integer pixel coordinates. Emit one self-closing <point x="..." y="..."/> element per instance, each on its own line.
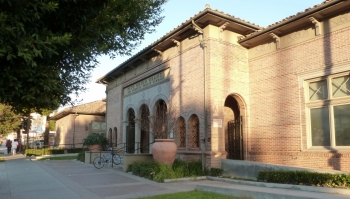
<point x="73" y="124"/>
<point x="278" y="94"/>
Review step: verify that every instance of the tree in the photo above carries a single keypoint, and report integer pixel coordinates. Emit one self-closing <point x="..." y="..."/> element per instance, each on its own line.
<point x="9" y="121"/>
<point x="48" y="48"/>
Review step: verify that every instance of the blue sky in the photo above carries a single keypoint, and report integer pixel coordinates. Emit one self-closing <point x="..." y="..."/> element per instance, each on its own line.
<point x="259" y="12"/>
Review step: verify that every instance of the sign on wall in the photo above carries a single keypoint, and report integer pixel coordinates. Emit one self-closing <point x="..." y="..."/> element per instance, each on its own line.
<point x="148" y="82"/>
<point x="217" y="123"/>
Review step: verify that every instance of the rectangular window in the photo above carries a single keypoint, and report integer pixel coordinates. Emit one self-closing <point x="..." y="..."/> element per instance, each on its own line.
<point x="318" y="90"/>
<point x="329" y="119"/>
<point x="341" y="86"/>
<point x="342" y="125"/>
<point x="320" y="126"/>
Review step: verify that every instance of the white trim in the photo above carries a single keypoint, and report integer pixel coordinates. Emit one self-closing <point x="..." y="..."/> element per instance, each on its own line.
<point x="327" y="70"/>
<point x="330" y="102"/>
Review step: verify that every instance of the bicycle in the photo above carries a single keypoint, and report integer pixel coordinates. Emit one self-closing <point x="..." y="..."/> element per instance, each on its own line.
<point x="99" y="162"/>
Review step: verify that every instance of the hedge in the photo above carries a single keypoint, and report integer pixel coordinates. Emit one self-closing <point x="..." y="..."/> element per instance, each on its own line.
<point x="305" y="178"/>
<point x="38" y="152"/>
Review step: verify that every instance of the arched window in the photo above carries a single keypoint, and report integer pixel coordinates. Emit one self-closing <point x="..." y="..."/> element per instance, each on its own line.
<point x="130" y="132"/>
<point x="115" y="132"/>
<point x="110" y="141"/>
<point x="145" y="128"/>
<point x="180" y="132"/>
<point x="193" y="131"/>
<point x="160" y="120"/>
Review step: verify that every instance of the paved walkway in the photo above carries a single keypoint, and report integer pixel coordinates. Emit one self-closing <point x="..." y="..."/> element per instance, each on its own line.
<point x="21" y="178"/>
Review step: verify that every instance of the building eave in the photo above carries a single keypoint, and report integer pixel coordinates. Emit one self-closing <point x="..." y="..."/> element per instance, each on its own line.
<point x="174" y="34"/>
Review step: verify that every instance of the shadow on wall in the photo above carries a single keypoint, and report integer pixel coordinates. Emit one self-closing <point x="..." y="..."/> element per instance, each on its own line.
<point x="334" y="159"/>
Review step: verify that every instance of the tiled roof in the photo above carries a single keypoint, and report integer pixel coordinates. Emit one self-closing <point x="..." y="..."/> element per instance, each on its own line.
<point x="290" y="18"/>
<point x="91" y="108"/>
<point x="179" y="27"/>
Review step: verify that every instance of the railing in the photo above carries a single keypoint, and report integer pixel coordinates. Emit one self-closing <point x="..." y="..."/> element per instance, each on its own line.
<point x="122" y="149"/>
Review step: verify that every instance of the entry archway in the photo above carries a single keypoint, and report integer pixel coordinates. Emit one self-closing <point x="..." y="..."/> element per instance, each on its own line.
<point x="234" y="142"/>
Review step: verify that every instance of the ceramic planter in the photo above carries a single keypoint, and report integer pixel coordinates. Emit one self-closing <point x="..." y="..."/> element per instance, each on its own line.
<point x="164" y="151"/>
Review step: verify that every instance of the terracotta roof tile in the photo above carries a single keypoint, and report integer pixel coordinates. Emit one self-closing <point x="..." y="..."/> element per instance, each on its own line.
<point x="91" y="108"/>
<point x="178" y="27"/>
<point x="288" y="18"/>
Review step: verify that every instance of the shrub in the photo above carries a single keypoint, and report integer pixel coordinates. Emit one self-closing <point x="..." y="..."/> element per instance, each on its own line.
<point x="216" y="172"/>
<point x="164" y="171"/>
<point x="75" y="150"/>
<point x="305" y="178"/>
<point x="144" y="169"/>
<point x="188" y="169"/>
<point x="81" y="156"/>
<point x="95" y="138"/>
<point x="158" y="172"/>
<point x="38" y="152"/>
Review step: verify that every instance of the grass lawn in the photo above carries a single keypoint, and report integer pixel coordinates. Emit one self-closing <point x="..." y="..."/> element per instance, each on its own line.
<point x="192" y="195"/>
<point x="2" y="160"/>
<point x="59" y="158"/>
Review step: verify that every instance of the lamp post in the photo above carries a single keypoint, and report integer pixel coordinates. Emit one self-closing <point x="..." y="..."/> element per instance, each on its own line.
<point x="75" y="116"/>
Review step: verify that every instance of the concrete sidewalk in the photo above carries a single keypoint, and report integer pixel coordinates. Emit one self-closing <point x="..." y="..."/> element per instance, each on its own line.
<point x="21" y="178"/>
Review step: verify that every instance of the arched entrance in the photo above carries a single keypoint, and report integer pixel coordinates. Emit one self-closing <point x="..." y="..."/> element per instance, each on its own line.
<point x="145" y="129"/>
<point x="130" y="132"/>
<point x="234" y="129"/>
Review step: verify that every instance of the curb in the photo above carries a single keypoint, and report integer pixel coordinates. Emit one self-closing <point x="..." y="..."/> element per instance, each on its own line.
<point x="284" y="186"/>
<point x="34" y="158"/>
<point x="186" y="179"/>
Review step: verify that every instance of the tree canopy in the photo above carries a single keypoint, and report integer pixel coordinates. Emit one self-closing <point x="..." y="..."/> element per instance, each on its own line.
<point x="9" y="121"/>
<point x="48" y="48"/>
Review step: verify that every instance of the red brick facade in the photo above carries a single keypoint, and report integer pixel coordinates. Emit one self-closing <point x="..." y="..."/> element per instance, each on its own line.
<point x="278" y="118"/>
<point x="75" y="123"/>
<point x="256" y="85"/>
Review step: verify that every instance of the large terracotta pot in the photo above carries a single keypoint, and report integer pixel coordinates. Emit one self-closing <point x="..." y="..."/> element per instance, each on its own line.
<point x="164" y="150"/>
<point x="95" y="148"/>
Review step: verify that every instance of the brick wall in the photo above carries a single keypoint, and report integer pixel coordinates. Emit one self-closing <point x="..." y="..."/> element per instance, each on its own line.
<point x="65" y="129"/>
<point x="277" y="104"/>
<point x="114" y="112"/>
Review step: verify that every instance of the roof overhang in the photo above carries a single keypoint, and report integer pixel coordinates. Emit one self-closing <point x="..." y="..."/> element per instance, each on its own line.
<point x="63" y="114"/>
<point x="286" y="26"/>
<point x="185" y="30"/>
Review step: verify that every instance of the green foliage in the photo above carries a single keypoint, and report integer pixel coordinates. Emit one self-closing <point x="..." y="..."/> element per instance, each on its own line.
<point x="305" y="178"/>
<point x="144" y="169"/>
<point x="164" y="171"/>
<point x="95" y="138"/>
<point x="189" y="169"/>
<point x="2" y="159"/>
<point x="38" y="152"/>
<point x="81" y="156"/>
<point x="215" y="172"/>
<point x="49" y="48"/>
<point x="52" y="125"/>
<point x="158" y="172"/>
<point x="9" y="120"/>
<point x="75" y="150"/>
